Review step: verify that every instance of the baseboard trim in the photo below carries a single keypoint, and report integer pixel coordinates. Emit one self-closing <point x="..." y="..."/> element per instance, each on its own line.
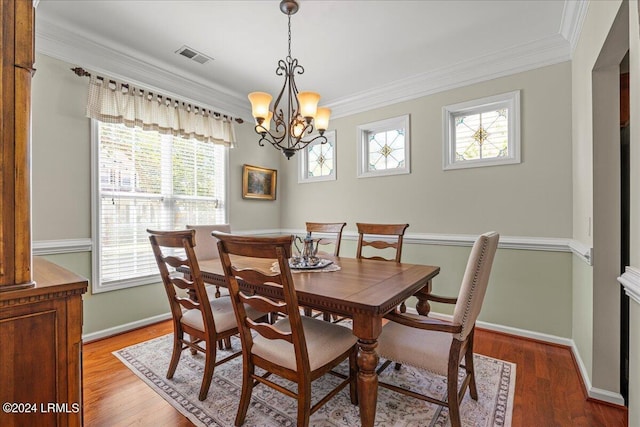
<point x="592" y="392"/>
<point x="524" y="333"/>
<point x="105" y="333"/>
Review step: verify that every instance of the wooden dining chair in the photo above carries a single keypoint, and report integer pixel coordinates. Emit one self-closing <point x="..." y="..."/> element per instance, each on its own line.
<point x="297" y="348"/>
<point x="333" y="229"/>
<point x="205" y="320"/>
<point x="438" y="346"/>
<point x="332" y="236"/>
<point x="370" y="235"/>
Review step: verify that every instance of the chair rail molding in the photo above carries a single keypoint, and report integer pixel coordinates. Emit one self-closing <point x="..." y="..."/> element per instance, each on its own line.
<point x="630" y="279"/>
<point x="581" y="250"/>
<point x="63" y="246"/>
<point x="549" y="244"/>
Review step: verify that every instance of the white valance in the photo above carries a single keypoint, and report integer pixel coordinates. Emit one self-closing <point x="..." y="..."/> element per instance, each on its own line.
<point x="115" y="102"/>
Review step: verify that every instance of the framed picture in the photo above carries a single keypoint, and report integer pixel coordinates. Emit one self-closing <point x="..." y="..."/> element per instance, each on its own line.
<point x="258" y="183"/>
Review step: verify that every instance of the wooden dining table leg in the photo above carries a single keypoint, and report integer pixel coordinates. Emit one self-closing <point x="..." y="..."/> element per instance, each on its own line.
<point x="367" y="329"/>
<point x="367" y="381"/>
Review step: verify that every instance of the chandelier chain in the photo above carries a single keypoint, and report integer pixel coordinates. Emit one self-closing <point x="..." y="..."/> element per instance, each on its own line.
<point x="289" y="35"/>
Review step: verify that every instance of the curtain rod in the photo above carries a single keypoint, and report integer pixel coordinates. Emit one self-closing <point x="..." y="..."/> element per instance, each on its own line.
<point x="81" y="72"/>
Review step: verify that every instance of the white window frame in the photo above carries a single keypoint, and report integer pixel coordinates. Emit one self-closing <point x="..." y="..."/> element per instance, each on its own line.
<point x="509" y="100"/>
<point x="303" y="161"/>
<point x="96" y="283"/>
<point x="400" y="122"/>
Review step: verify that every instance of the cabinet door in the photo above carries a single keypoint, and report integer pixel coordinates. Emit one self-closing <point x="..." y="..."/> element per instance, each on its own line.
<point x="38" y="367"/>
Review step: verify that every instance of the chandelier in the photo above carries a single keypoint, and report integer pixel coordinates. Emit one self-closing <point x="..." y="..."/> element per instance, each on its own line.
<point x="301" y="113"/>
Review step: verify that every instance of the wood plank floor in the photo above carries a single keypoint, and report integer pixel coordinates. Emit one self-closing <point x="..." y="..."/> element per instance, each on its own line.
<point x="548" y="388"/>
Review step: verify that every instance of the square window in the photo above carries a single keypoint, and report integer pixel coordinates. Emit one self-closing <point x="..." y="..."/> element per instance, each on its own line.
<point x="383" y="147"/>
<point x="483" y="132"/>
<point x="317" y="161"/>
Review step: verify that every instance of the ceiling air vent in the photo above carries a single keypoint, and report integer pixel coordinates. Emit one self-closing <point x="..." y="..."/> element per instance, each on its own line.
<point x="194" y="55"/>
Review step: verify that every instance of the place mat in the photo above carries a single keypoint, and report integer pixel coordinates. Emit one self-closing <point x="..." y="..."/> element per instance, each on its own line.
<point x="275" y="268"/>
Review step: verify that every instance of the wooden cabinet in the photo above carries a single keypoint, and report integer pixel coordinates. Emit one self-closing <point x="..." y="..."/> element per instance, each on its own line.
<point x="41" y="348"/>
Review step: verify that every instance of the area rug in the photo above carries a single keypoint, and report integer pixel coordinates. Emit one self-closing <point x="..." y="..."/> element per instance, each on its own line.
<point x="149" y="361"/>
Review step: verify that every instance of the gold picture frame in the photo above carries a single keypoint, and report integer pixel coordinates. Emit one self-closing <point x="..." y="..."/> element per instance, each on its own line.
<point x="259" y="183"/>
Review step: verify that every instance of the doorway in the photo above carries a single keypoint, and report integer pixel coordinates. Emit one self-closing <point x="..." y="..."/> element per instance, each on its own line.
<point x="625" y="224"/>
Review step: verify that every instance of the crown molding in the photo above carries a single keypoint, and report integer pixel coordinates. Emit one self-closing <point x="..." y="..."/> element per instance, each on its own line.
<point x="60" y="43"/>
<point x="631" y="282"/>
<point x="573" y="16"/>
<point x="525" y="57"/>
<point x="57" y="42"/>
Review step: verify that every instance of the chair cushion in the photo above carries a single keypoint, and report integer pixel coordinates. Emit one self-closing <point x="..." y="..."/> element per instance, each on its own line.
<point x="416" y="347"/>
<point x="325" y="342"/>
<point x="223" y="315"/>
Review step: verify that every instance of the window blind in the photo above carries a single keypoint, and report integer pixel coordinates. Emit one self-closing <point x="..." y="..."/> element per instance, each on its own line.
<point x="151" y="181"/>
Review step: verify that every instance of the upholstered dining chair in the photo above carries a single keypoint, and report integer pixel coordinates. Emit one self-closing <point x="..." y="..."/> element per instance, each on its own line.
<point x="369" y="235"/>
<point x="440" y="346"/>
<point x="297" y="348"/>
<point x="205" y="320"/>
<point x="207" y="246"/>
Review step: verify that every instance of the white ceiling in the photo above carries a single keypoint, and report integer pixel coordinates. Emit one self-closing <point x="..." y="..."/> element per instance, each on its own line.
<point x="356" y="54"/>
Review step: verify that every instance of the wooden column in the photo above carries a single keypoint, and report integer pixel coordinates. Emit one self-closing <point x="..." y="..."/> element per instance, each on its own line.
<point x="40" y="323"/>
<point x="17" y="41"/>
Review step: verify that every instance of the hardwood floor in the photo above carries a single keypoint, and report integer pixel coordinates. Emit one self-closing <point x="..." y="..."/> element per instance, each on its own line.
<point x="549" y="391"/>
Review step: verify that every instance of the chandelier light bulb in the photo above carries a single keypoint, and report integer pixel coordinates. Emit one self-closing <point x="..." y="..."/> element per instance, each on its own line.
<point x="297" y="128"/>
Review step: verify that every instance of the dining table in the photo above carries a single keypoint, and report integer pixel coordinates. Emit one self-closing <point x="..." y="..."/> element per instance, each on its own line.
<point x="361" y="289"/>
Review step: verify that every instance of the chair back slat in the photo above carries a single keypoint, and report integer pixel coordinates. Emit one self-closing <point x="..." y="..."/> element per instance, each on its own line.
<point x="181" y="283"/>
<point x="256" y="277"/>
<point x="269" y="331"/>
<point x="474" y="282"/>
<point x="260" y="248"/>
<point x="263" y="304"/>
<point x="175" y="261"/>
<point x="188" y="303"/>
<point x="380" y="244"/>
<point x="391" y="230"/>
<point x="328" y="228"/>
